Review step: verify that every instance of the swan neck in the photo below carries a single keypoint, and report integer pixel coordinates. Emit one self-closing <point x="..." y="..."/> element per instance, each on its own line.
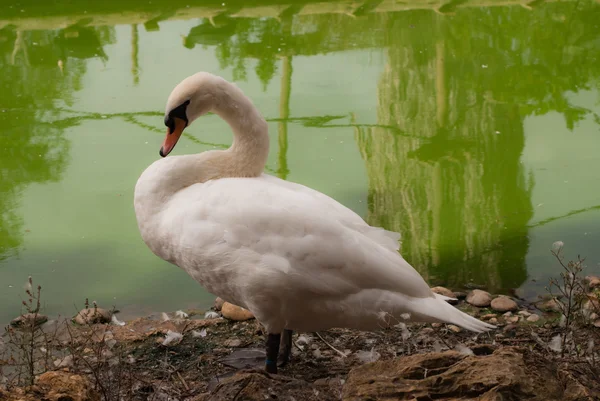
<point x="250" y="147"/>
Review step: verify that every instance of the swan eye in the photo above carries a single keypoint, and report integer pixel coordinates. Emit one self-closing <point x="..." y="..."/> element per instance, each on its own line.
<point x="179" y="112"/>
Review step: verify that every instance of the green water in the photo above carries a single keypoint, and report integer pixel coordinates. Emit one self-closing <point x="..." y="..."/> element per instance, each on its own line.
<point x="472" y="128"/>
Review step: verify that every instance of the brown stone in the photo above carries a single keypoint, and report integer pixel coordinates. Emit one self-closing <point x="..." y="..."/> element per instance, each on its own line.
<point x="449" y="375"/>
<point x="92" y="316"/>
<point x="234" y="312"/>
<point x="512" y="319"/>
<point x="550" y="305"/>
<point x="443" y="291"/>
<point x="504" y="304"/>
<point x="27" y="319"/>
<point x="479" y="298"/>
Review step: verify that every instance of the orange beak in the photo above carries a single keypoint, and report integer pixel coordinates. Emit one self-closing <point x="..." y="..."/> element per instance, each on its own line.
<point x="172" y="137"/>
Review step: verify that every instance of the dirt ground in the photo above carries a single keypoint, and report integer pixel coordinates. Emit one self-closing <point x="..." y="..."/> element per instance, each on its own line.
<point x="218" y="359"/>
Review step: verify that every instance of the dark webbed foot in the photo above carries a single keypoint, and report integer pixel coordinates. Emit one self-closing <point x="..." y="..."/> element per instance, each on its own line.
<point x="285" y="349"/>
<point x="273" y="342"/>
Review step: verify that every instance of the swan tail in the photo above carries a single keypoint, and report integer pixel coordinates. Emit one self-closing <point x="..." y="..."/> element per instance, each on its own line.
<point x="437" y="309"/>
<point x="455" y="316"/>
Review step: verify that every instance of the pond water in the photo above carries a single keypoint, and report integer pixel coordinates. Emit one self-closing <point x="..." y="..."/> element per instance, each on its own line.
<point x="471" y="127"/>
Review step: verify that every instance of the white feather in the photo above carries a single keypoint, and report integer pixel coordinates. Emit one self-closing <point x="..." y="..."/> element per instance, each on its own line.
<point x="211" y="315"/>
<point x="172" y="337"/>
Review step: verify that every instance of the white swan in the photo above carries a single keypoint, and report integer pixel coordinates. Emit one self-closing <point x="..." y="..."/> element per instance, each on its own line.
<point x="297" y="259"/>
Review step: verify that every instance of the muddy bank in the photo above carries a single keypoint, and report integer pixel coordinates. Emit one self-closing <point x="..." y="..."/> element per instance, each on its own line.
<point x="187" y="356"/>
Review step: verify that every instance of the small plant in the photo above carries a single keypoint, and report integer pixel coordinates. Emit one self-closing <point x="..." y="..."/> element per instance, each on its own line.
<point x="26" y="350"/>
<point x="576" y="305"/>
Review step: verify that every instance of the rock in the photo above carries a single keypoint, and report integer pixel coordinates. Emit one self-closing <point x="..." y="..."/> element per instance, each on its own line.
<point x="93" y="316"/>
<point x="447" y="293"/>
<point x="488" y="316"/>
<point x="234" y="312"/>
<point x="524" y="313"/>
<point x="436" y="325"/>
<point x="454" y="328"/>
<point x="512" y="319"/>
<point x="233" y="342"/>
<point x="507" y="373"/>
<point x="493" y="320"/>
<point x="551" y="305"/>
<point x="219" y="303"/>
<point x="597" y="323"/>
<point x="504" y="304"/>
<point x="533" y="318"/>
<point x="27" y="319"/>
<point x="479" y="298"/>
<point x="507" y="314"/>
<point x="593" y="281"/>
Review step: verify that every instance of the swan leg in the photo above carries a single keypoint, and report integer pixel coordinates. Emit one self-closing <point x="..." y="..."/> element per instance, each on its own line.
<point x="273" y="342"/>
<point x="286" y="348"/>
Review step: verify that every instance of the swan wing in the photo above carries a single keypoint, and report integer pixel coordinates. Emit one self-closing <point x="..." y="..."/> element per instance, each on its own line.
<point x="247" y="233"/>
<point x="346" y="216"/>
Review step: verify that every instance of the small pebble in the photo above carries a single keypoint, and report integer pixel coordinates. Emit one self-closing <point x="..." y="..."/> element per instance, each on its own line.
<point x="493" y="320"/>
<point x="28" y="318"/>
<point x="447" y="293"/>
<point x="524" y="313"/>
<point x="512" y="319"/>
<point x="454" y="328"/>
<point x="93" y="315"/>
<point x="507" y="314"/>
<point x="550" y="306"/>
<point x="533" y="318"/>
<point x="479" y="298"/>
<point x="234" y="312"/>
<point x="504" y="304"/>
<point x="488" y="316"/>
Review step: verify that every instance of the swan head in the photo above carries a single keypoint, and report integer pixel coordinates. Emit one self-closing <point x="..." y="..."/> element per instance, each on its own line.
<point x="191" y="98"/>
